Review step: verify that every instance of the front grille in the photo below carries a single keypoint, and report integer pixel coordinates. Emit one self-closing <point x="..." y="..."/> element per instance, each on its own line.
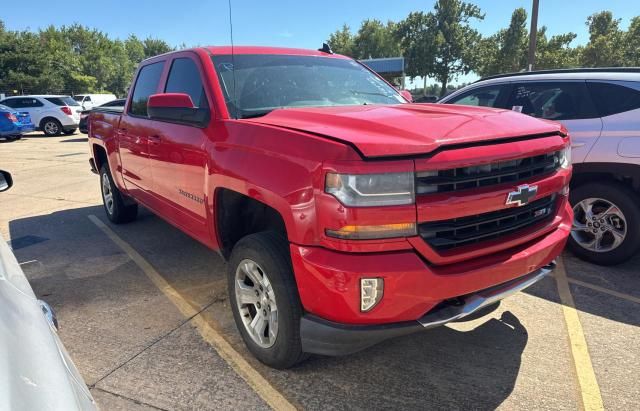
<point x="458" y="232"/>
<point x="462" y="178"/>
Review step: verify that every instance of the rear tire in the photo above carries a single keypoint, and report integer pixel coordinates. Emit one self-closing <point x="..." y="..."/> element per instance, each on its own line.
<point x="51" y="127"/>
<point x="260" y="271"/>
<point x="623" y="221"/>
<point x="117" y="210"/>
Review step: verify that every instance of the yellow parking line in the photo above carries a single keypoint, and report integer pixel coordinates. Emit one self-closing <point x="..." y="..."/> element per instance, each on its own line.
<point x="256" y="381"/>
<point x="605" y="290"/>
<point x="589" y="389"/>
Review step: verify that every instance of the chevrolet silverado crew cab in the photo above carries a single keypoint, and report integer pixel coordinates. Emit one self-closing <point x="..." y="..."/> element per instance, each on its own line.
<point x="347" y="215"/>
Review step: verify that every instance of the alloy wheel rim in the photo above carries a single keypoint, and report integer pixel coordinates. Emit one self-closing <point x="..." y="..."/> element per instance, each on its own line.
<point x="256" y="303"/>
<point x="598" y="225"/>
<point x="50" y="127"/>
<point x="107" y="194"/>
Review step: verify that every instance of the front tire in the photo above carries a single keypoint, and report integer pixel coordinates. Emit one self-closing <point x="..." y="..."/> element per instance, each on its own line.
<point x="117" y="210"/>
<point x="264" y="299"/>
<point x="51" y="127"/>
<point x="606" y="227"/>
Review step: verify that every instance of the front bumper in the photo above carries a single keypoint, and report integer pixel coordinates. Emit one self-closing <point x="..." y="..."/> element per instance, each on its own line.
<point x="329" y="338"/>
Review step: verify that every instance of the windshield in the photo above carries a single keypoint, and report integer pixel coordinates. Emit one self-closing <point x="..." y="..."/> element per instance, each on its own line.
<point x="265" y="82"/>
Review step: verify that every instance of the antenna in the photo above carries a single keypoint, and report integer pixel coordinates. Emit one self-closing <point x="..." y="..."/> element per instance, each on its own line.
<point x="233" y="65"/>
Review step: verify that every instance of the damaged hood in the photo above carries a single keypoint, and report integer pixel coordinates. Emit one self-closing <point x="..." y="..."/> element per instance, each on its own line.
<point x="408" y="129"/>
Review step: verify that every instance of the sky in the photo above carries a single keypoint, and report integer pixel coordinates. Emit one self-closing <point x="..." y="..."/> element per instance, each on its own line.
<point x="286" y="23"/>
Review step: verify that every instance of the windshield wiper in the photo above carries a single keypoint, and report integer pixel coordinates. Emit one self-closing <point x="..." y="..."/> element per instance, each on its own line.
<point x="256" y="114"/>
<point x="369" y="93"/>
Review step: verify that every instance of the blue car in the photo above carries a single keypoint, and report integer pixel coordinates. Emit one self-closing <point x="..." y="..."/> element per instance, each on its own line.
<point x="13" y="124"/>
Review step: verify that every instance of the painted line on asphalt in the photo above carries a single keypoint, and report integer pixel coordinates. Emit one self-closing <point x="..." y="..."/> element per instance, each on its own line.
<point x="589" y="389"/>
<point x="604" y="290"/>
<point x="255" y="380"/>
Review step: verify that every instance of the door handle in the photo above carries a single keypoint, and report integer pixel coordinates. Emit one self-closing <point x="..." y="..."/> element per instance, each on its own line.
<point x="154" y="139"/>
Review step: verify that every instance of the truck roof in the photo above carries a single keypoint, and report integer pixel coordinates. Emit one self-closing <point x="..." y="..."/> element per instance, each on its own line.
<point x="239" y="50"/>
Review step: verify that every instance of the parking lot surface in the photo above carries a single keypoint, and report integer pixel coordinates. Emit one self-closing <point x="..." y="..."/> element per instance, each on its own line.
<point x="143" y="312"/>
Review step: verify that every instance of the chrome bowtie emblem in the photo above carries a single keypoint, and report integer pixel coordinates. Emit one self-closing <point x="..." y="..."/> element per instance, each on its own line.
<point x="522" y="195"/>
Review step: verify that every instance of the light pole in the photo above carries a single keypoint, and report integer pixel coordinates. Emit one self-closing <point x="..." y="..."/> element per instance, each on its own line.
<point x="533" y="34"/>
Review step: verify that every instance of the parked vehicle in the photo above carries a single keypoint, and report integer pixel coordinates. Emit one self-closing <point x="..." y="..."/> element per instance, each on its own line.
<point x="51" y="114"/>
<point x="14" y="123"/>
<point x="601" y="110"/>
<point x="347" y="215"/>
<point x="89" y="101"/>
<point x="36" y="373"/>
<point x="117" y="105"/>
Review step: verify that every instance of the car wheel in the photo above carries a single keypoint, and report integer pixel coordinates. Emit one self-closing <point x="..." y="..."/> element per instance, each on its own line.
<point x="264" y="299"/>
<point x="606" y="226"/>
<point x="117" y="210"/>
<point x="51" y="127"/>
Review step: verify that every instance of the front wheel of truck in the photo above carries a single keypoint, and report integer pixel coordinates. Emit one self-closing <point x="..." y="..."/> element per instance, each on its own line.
<point x="264" y="299"/>
<point x="117" y="210"/>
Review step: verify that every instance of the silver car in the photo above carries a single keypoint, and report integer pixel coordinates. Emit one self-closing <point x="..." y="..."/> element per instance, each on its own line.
<point x="601" y="110"/>
<point x="36" y="372"/>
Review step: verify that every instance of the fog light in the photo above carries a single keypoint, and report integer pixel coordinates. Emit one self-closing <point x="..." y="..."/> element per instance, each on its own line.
<point x="371" y="291"/>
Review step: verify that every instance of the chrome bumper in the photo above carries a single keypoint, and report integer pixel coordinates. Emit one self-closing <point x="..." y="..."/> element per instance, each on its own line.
<point x="484" y="298"/>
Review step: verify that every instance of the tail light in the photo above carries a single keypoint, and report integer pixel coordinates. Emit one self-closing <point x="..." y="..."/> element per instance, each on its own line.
<point x="66" y="110"/>
<point x="11" y="117"/>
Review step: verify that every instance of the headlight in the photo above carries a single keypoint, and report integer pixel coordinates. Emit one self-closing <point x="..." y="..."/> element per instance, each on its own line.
<point x="371" y="190"/>
<point x="565" y="157"/>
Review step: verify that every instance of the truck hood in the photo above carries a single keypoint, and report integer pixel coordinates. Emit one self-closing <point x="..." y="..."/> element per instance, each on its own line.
<point x="408" y="129"/>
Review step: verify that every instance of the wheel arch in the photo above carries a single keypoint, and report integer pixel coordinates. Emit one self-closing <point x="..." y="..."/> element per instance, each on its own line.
<point x="626" y="173"/>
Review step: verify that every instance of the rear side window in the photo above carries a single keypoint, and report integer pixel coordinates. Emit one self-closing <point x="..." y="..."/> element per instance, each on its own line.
<point x="62" y="101"/>
<point x="184" y="77"/>
<point x="23" y="102"/>
<point x="146" y="85"/>
<point x="553" y="100"/>
<point x="613" y="98"/>
<point x="484" y="96"/>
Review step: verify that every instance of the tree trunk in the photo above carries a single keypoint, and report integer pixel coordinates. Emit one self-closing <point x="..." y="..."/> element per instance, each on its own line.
<point x="443" y="90"/>
<point x="424" y="87"/>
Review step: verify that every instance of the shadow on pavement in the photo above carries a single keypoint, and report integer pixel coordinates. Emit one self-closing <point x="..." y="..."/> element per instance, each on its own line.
<point x="76" y="140"/>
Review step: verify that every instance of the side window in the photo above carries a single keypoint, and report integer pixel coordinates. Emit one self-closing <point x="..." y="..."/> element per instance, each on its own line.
<point x="12" y="102"/>
<point x="146" y="85"/>
<point x="613" y="98"/>
<point x="484" y="96"/>
<point x="87" y="99"/>
<point x="553" y="100"/>
<point x="184" y="77"/>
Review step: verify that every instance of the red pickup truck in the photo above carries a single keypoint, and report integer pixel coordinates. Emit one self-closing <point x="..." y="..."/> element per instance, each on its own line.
<point x="347" y="214"/>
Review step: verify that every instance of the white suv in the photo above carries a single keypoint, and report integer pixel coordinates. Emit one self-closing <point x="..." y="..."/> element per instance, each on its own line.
<point x="51" y="114"/>
<point x="601" y="110"/>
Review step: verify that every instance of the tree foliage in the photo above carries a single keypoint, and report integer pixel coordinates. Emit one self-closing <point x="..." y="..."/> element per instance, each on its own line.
<point x="70" y="59"/>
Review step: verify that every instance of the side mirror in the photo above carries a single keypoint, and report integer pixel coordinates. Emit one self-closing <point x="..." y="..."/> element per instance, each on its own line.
<point x="407" y="95"/>
<point x="5" y="180"/>
<point x="177" y="108"/>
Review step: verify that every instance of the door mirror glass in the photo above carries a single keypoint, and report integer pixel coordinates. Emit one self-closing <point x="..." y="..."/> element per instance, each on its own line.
<point x="407" y="95"/>
<point x="177" y="108"/>
<point x="5" y="180"/>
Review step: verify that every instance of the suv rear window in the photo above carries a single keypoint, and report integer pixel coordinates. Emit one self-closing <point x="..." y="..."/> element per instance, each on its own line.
<point x="613" y="98"/>
<point x="62" y="101"/>
<point x="552" y="100"/>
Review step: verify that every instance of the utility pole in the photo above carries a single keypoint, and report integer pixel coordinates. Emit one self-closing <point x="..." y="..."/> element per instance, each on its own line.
<point x="533" y="34"/>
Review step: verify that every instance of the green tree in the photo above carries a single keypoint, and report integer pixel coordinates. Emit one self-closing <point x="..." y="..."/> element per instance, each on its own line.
<point x="154" y="47"/>
<point x="416" y="41"/>
<point x="455" y="42"/>
<point x="632" y="43"/>
<point x="605" y="42"/>
<point x="375" y="39"/>
<point x="341" y="41"/>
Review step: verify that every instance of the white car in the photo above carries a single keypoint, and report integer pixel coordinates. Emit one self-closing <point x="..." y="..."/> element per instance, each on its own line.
<point x="50" y="113"/>
<point x="36" y="372"/>
<point x="601" y="109"/>
<point x="89" y="101"/>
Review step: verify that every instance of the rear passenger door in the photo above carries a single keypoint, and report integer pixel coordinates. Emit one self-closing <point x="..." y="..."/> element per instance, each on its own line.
<point x="134" y="131"/>
<point x="618" y="102"/>
<point x="565" y="101"/>
<point x="178" y="151"/>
